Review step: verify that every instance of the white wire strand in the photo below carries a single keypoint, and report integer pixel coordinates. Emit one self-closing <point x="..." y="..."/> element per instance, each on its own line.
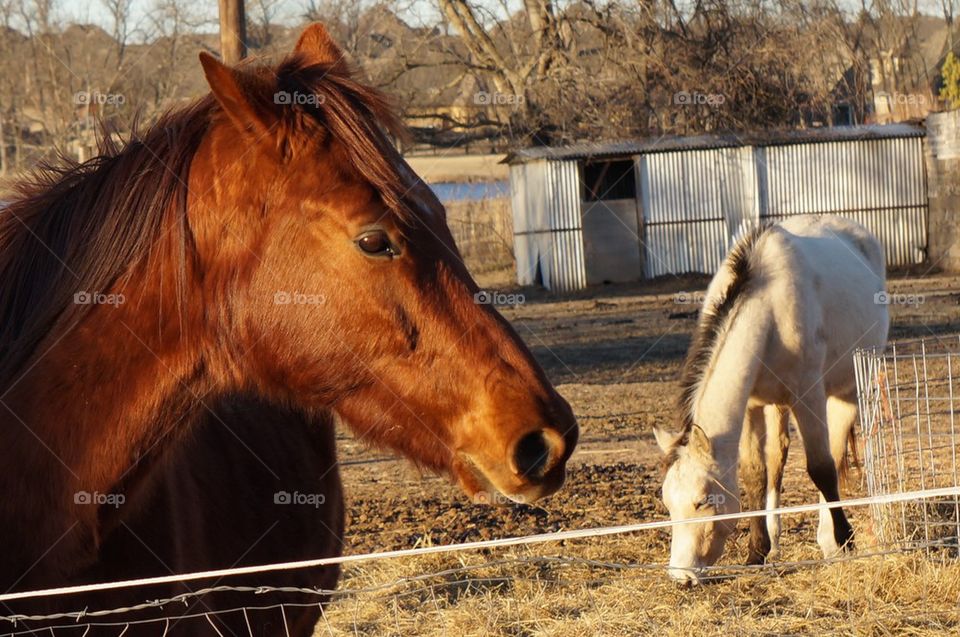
<point x="460" y="575"/>
<point x="556" y="536"/>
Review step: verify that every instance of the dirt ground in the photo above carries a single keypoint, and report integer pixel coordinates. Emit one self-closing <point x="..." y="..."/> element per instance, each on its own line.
<point x="615" y="353"/>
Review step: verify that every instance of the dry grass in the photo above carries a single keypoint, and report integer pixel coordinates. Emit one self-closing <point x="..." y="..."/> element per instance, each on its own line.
<point x="893" y="594"/>
<point x="447" y="166"/>
<point x="483" y="230"/>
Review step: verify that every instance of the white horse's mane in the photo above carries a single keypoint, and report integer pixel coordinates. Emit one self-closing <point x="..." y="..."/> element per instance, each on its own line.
<point x="717" y="311"/>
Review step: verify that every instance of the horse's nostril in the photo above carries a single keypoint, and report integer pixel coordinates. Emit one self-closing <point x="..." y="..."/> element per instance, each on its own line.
<point x="532" y="455"/>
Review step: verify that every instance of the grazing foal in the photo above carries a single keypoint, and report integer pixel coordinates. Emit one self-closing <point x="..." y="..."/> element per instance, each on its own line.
<point x="261" y="261"/>
<point x="778" y="327"/>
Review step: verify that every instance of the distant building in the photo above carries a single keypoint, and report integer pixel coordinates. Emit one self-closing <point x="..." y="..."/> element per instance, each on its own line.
<point x="901" y="82"/>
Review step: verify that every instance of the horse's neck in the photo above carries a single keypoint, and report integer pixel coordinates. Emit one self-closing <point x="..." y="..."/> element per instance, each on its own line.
<point x="86" y="418"/>
<point x="721" y="401"/>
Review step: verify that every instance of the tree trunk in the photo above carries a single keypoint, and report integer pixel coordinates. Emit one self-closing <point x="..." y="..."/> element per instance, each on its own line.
<point x="233" y="31"/>
<point x="3" y="149"/>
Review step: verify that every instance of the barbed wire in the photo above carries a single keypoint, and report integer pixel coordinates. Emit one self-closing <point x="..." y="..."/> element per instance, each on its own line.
<point x="707" y="574"/>
<point x="711" y="573"/>
<point x="540" y="538"/>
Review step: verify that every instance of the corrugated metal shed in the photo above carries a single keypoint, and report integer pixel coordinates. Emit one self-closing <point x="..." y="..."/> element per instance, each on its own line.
<point x="694" y="195"/>
<point x="879" y="183"/>
<point x="548" y="238"/>
<point x="669" y="143"/>
<point x="693" y="203"/>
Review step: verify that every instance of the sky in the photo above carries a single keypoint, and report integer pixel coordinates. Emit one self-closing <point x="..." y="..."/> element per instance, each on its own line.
<point x="291" y="11"/>
<point x="287" y="12"/>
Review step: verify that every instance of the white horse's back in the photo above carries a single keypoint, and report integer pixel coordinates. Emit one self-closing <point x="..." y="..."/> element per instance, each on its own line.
<point x="864" y="247"/>
<point x="824" y="277"/>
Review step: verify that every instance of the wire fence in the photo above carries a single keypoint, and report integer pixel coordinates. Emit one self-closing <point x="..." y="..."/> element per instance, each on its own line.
<point x="360" y="605"/>
<point x="908" y="406"/>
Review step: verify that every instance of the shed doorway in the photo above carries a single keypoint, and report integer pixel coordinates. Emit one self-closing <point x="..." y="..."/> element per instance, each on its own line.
<point x="610" y="221"/>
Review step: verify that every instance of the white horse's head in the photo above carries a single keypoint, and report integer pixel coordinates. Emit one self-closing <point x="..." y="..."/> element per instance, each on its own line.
<point x="693" y="487"/>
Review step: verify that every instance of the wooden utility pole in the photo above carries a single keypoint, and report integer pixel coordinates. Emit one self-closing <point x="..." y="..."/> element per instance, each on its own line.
<point x="233" y="31"/>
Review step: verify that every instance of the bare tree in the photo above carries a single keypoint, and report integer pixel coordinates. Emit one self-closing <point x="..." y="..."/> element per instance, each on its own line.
<point x="948" y="8"/>
<point x="480" y="71"/>
<point x="119" y="11"/>
<point x="170" y="22"/>
<point x="260" y="21"/>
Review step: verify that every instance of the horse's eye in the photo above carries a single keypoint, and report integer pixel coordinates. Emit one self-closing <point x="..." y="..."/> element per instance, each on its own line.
<point x="376" y="243"/>
<point x="704" y="502"/>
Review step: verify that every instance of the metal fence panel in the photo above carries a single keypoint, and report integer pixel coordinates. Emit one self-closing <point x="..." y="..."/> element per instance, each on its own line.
<point x="909" y="398"/>
<point x="880" y="183"/>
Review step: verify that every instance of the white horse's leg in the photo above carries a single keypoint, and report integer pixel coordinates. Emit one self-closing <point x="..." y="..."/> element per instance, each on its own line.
<point x="841" y="418"/>
<point x="754" y="475"/>
<point x="810" y="411"/>
<point x="777" y="419"/>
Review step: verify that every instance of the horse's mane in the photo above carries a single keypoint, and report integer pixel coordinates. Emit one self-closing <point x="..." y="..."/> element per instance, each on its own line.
<point x="79" y="227"/>
<point x="713" y="319"/>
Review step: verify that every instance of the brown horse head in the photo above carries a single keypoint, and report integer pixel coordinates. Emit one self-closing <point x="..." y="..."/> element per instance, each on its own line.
<point x="269" y="241"/>
<point x="332" y="269"/>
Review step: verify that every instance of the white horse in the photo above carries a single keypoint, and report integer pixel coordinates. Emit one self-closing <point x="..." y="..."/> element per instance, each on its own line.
<point x="777" y="332"/>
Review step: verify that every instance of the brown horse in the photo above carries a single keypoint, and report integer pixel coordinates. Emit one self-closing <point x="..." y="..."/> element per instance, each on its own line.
<point x="182" y="316"/>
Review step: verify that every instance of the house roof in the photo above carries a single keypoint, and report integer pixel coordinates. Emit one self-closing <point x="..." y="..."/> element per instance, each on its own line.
<point x="667" y="143"/>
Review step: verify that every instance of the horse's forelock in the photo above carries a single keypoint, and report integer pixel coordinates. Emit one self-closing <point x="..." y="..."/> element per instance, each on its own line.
<point x="356" y="116"/>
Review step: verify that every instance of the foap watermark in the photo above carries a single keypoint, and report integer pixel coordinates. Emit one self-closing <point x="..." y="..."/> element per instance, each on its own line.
<point x="282" y="297"/>
<point x="492" y="297"/>
<point x="689" y="298"/>
<point x="484" y="98"/>
<point x="891" y="298"/>
<point x="87" y="98"/>
<point x="296" y="98"/>
<point x="496" y="498"/>
<point x="316" y="500"/>
<point x="696" y="98"/>
<point x="902" y="99"/>
<point x="714" y="499"/>
<point x="98" y="298"/>
<point x="115" y="500"/>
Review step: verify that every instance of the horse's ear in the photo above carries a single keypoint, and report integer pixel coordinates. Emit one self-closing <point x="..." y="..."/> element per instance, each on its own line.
<point x="316" y="46"/>
<point x="232" y="90"/>
<point x="666" y="440"/>
<point x="700" y="442"/>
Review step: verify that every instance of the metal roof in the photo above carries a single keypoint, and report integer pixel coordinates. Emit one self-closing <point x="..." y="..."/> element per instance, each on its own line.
<point x="666" y="143"/>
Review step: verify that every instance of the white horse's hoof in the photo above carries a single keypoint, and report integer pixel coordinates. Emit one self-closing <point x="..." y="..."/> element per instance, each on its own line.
<point x="829" y="547"/>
